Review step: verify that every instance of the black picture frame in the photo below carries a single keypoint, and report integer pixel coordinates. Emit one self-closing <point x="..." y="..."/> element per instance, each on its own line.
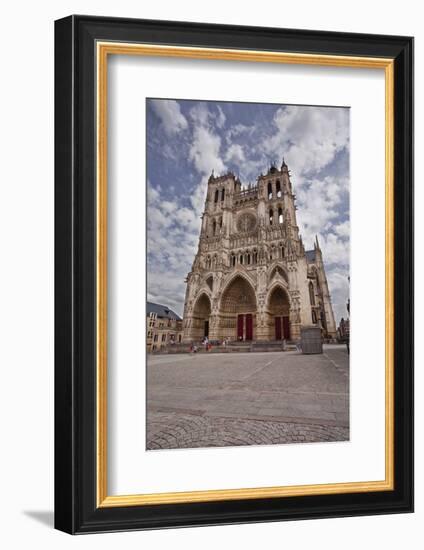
<point x="76" y="509"/>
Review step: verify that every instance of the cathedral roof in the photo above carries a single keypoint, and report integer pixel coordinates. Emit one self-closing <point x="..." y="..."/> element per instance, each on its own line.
<point x="310" y="255"/>
<point x="162" y="311"/>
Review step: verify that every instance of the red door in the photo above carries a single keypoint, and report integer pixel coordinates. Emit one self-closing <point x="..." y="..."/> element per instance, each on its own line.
<point x="249" y="326"/>
<point x="240" y="323"/>
<point x="286" y="328"/>
<point x="278" y="328"/>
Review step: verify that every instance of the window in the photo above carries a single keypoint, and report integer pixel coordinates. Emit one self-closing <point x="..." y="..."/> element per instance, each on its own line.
<point x="241" y="259"/>
<point x="216" y="195"/>
<point x="280" y="215"/>
<point x="222" y="194"/>
<point x="155" y="339"/>
<point x="214" y="228"/>
<point x="163" y="337"/>
<point x="311" y="293"/>
<point x="248" y="259"/>
<point x="269" y="190"/>
<point x="271" y="214"/>
<point x="278" y="186"/>
<point x="255" y="257"/>
<point x="314" y="317"/>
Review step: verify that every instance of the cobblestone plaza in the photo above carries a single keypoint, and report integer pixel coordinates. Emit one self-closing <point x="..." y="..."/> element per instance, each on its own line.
<point x="217" y="400"/>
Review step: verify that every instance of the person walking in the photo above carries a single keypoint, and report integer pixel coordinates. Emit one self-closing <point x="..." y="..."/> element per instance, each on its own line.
<point x="206" y="343"/>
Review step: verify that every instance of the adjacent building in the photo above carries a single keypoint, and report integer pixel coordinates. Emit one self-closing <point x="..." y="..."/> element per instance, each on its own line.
<point x="252" y="278"/>
<point x="343" y="332"/>
<point x="164" y="327"/>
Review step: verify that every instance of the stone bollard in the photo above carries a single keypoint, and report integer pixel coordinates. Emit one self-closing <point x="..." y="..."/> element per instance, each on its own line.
<point x="311" y="340"/>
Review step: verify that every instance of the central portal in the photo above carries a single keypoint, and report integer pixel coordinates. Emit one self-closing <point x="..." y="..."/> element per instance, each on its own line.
<point x="245" y="326"/>
<point x="238" y="310"/>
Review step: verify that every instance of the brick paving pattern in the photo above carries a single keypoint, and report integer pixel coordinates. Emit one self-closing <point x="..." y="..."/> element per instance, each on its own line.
<point x="247" y="399"/>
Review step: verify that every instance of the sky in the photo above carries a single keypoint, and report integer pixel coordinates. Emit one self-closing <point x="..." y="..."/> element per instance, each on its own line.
<point x="187" y="139"/>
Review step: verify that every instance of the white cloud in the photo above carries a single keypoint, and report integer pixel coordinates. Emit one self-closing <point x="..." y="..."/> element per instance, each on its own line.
<point x="221" y="118"/>
<point x="319" y="203"/>
<point x="172" y="236"/>
<point x="235" y="154"/>
<point x="204" y="151"/>
<point x="308" y="137"/>
<point x="335" y="251"/>
<point x="170" y="114"/>
<point x="198" y="195"/>
<point x="238" y="129"/>
<point x="200" y="114"/>
<point x="343" y="229"/>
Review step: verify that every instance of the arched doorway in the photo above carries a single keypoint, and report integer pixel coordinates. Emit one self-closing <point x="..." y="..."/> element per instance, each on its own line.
<point x="238" y="310"/>
<point x="279" y="311"/>
<point x="201" y="314"/>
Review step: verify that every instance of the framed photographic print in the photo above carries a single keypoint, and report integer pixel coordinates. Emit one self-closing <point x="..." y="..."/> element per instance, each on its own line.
<point x="233" y="272"/>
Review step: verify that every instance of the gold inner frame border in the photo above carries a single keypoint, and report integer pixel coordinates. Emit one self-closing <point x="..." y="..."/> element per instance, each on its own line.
<point x="103" y="50"/>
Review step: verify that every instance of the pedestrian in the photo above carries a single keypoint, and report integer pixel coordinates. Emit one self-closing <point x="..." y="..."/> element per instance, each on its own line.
<point x="206" y="343"/>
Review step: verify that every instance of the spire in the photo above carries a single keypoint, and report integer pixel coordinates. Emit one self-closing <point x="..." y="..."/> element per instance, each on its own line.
<point x="316" y="245"/>
<point x="284" y="165"/>
<point x="272" y="167"/>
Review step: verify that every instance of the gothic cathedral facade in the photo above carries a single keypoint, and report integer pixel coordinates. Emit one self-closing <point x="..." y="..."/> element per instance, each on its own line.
<point x="252" y="278"/>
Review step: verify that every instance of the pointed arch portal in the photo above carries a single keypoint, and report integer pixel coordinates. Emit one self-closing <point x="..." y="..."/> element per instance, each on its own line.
<point x="279" y="311"/>
<point x="238" y="310"/>
<point x="201" y="314"/>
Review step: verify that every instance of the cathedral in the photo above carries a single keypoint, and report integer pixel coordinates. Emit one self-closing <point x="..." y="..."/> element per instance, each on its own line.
<point x="252" y="278"/>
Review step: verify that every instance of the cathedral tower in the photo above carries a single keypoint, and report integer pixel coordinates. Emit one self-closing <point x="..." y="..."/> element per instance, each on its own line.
<point x="251" y="278"/>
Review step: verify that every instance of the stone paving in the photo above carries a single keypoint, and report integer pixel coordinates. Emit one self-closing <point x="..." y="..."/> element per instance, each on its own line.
<point x="247" y="399"/>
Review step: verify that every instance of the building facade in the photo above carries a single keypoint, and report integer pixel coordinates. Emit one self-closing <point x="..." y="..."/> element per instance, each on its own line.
<point x="343" y="332"/>
<point x="164" y="327"/>
<point x="251" y="277"/>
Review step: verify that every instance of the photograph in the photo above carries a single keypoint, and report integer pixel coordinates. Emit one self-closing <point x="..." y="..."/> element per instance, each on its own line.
<point x="248" y="258"/>
<point x="233" y="266"/>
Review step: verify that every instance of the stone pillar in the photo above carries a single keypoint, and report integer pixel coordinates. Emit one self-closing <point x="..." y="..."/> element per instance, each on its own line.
<point x="261" y="316"/>
<point x="295" y="317"/>
<point x="261" y="325"/>
<point x="295" y="326"/>
<point x="214" y="327"/>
